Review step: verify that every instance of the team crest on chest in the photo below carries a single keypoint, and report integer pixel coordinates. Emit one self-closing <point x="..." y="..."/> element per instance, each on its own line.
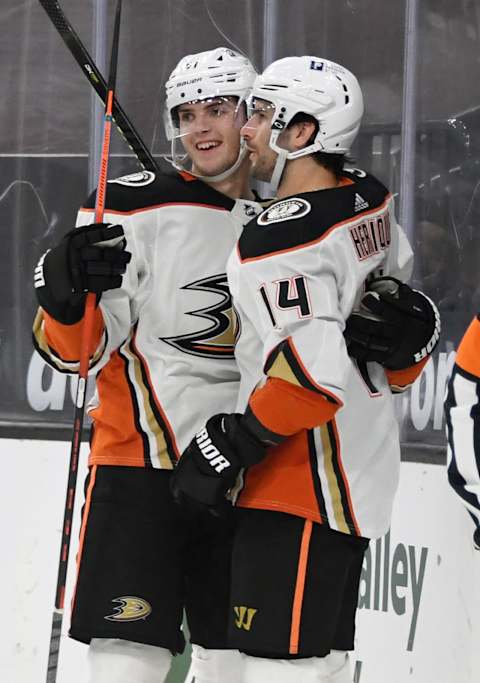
<point x="289" y="209"/>
<point x="218" y="339"/>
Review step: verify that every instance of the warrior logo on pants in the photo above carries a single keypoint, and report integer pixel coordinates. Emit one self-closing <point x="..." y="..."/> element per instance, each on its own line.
<point x="244" y="617"/>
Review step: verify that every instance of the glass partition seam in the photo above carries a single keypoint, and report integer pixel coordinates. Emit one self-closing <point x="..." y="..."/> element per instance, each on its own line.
<point x="409" y="110"/>
<point x="99" y="42"/>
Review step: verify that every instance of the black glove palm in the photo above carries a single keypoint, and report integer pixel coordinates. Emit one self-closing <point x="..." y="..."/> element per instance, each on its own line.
<point x="88" y="259"/>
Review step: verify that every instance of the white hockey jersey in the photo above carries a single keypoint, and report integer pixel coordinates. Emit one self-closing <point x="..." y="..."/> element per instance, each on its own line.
<point x="163" y="347"/>
<point x="462" y="409"/>
<point x="298" y="271"/>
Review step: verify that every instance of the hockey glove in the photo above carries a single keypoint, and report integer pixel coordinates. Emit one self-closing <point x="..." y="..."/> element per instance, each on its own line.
<point x="88" y="259"/>
<point x="209" y="466"/>
<point x="396" y="326"/>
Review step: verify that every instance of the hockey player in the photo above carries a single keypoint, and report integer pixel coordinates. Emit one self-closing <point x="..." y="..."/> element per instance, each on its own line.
<point x="462" y="411"/>
<point x="163" y="356"/>
<point x="315" y="429"/>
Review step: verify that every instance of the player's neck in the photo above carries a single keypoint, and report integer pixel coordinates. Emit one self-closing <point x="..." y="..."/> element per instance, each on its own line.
<point x="305" y="175"/>
<point x="237" y="185"/>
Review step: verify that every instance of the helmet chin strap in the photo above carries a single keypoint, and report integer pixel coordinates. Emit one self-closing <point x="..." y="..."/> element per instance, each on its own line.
<point x="225" y="174"/>
<point x="285" y="155"/>
<point x="207" y="178"/>
<point x="278" y="170"/>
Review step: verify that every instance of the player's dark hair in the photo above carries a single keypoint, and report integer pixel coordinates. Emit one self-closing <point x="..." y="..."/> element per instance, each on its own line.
<point x="331" y="161"/>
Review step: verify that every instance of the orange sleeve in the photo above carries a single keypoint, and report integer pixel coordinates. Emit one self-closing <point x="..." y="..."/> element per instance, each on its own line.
<point x="285" y="409"/>
<point x="400" y="380"/>
<point x="65" y="340"/>
<point x="468" y="353"/>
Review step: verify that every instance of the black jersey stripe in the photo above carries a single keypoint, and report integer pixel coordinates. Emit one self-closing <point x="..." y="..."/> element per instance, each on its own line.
<point x="285" y="350"/>
<point x="317" y="484"/>
<point x="136" y="411"/>
<point x="464" y="373"/>
<point x="154" y="407"/>
<point x="342" y="485"/>
<point x="363" y="370"/>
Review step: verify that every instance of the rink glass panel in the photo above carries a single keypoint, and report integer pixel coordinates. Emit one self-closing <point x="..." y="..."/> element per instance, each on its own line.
<point x="49" y="130"/>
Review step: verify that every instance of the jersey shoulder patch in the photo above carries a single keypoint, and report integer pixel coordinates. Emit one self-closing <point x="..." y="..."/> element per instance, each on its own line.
<point x="139" y="179"/>
<point x="306" y="218"/>
<point x="285" y="210"/>
<point x="144" y="189"/>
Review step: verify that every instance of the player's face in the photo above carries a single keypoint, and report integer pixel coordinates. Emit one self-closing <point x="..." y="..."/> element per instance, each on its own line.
<point x="256" y="133"/>
<point x="210" y="134"/>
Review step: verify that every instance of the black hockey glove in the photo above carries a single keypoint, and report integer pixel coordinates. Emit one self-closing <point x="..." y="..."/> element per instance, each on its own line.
<point x="209" y="466"/>
<point x="88" y="259"/>
<point x="396" y="326"/>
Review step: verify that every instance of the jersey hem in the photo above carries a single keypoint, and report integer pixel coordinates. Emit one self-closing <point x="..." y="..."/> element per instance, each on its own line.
<point x="298" y="511"/>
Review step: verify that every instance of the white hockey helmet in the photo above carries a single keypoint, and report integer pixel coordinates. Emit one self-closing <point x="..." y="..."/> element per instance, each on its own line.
<point x="311" y="85"/>
<point x="209" y="75"/>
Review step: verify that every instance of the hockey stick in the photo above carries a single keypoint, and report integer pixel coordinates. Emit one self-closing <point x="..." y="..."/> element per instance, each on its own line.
<point x="87" y="330"/>
<point x="86" y="63"/>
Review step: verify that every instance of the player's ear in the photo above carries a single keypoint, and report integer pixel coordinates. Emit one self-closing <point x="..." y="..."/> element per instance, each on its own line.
<point x="301" y="134"/>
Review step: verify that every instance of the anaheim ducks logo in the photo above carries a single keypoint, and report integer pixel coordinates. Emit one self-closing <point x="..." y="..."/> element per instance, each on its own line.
<point x="218" y="340"/>
<point x="130" y="608"/>
<point x="139" y="179"/>
<point x="286" y="210"/>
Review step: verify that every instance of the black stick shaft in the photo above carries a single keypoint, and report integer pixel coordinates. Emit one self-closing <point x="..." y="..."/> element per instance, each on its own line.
<point x="95" y="78"/>
<point x="87" y="330"/>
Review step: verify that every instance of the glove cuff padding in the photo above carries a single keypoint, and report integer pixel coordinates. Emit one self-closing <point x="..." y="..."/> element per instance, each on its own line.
<point x="262" y="434"/>
<point x="249" y="445"/>
<point x="56" y="296"/>
<point x="193" y="487"/>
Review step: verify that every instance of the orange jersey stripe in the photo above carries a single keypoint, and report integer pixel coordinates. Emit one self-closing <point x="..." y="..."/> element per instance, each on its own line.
<point x="65" y="340"/>
<point x="468" y="357"/>
<point x="300" y="588"/>
<point x="116" y="212"/>
<point x="285" y="409"/>
<point x="344" y="181"/>
<point x="187" y="176"/>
